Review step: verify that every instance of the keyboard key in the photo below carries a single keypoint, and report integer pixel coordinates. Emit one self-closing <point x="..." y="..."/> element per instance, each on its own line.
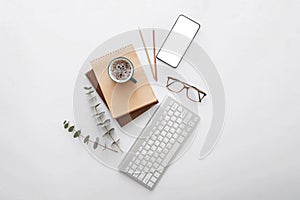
<point x="169" y="146"/>
<point x="144" y="152"/>
<point x="159" y="160"/>
<point x="166" y="140"/>
<point x="135" y="174"/>
<point x="141" y="176"/>
<point x="150" y="142"/>
<point x="179" y="120"/>
<point x="147" y="178"/>
<point x="147" y="157"/>
<point x="156" y="174"/>
<point x="153" y="137"/>
<point x="130" y="171"/>
<point x="169" y="135"/>
<point x="191" y="123"/>
<point x="160" y="138"/>
<point x="173" y="118"/>
<point x="172" y="130"/>
<point x="134" y="166"/>
<point x="150" y="152"/>
<point x="159" y="149"/>
<point x="140" y="167"/>
<point x="162" y="145"/>
<point x="143" y="162"/>
<point x="153" y="179"/>
<point x="153" y="148"/>
<point x="150" y="184"/>
<point x="152" y="170"/>
<point x="137" y="161"/>
<point x="181" y="126"/>
<point x="165" y="151"/>
<point x="180" y="139"/>
<point x="160" y="127"/>
<point x="172" y="141"/>
<point x="146" y="169"/>
<point x="149" y="164"/>
<point x="183" y="113"/>
<point x="175" y="136"/>
<point x="170" y="112"/>
<point x="176" y="125"/>
<point x="187" y="118"/>
<point x="175" y="105"/>
<point x="170" y="154"/>
<point x="179" y="130"/>
<point x="160" y="169"/>
<point x="188" y="129"/>
<point x="152" y="159"/>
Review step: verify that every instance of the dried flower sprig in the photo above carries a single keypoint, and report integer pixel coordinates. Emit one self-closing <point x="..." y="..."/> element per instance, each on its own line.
<point x="86" y="138"/>
<point x="99" y="116"/>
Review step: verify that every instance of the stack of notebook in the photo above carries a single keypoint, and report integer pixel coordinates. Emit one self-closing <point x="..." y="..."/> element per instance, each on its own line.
<point x="126" y="101"/>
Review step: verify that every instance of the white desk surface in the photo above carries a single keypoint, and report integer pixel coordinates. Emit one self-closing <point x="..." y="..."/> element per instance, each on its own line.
<point x="255" y="47"/>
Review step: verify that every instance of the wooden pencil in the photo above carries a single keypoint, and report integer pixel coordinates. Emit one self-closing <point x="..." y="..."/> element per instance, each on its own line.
<point x="154" y="55"/>
<point x="146" y="51"/>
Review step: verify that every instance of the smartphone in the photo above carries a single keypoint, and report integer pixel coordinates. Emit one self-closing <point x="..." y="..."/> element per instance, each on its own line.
<point x="178" y="41"/>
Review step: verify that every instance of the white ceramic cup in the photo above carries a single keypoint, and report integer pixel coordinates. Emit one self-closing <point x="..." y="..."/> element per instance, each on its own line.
<point x="122" y="61"/>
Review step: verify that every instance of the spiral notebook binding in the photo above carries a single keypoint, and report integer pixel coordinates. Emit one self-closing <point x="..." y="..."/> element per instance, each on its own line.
<point x="112" y="52"/>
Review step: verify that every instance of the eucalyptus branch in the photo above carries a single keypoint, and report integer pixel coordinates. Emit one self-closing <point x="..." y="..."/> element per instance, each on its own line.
<point x="100" y="117"/>
<point x="86" y="139"/>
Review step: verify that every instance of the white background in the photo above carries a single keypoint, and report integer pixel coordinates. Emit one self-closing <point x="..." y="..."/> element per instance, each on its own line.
<point x="255" y="47"/>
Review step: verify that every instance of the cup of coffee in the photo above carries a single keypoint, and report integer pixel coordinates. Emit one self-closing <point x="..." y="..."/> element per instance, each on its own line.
<point x="120" y="70"/>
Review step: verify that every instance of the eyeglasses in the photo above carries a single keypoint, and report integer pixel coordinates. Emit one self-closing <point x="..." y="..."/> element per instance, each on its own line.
<point x="193" y="93"/>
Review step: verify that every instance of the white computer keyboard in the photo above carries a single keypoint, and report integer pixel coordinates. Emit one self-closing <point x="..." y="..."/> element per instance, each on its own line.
<point x="159" y="142"/>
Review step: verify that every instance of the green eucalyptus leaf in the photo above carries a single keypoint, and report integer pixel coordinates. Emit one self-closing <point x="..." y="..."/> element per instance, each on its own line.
<point x="90" y="92"/>
<point x="87" y="87"/>
<point x="86" y="139"/>
<point x="98" y="104"/>
<point x="77" y="133"/>
<point x="96" y="143"/>
<point x="109" y="131"/>
<point x="115" y="142"/>
<point x="106" y="122"/>
<point x="71" y="128"/>
<point x="99" y="114"/>
<point x="66" y="125"/>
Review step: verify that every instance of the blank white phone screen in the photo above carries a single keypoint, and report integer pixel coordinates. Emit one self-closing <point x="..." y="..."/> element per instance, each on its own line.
<point x="178" y="41"/>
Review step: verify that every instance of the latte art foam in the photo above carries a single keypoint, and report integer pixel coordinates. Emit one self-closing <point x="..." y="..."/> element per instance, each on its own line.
<point x="120" y="70"/>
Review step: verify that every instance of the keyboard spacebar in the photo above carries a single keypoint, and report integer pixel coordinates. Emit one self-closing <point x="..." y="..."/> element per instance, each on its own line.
<point x="170" y="154"/>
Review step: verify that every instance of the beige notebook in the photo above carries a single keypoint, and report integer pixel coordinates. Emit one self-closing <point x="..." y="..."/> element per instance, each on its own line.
<point x="123" y="98"/>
